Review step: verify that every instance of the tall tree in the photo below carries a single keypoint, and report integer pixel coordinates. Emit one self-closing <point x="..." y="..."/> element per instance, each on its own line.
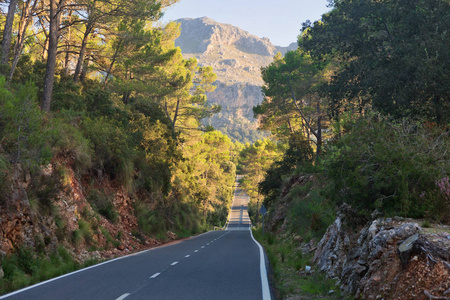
<point x="27" y="10"/>
<point x="394" y="55"/>
<point x="7" y="32"/>
<point x="56" y="9"/>
<point x="292" y="98"/>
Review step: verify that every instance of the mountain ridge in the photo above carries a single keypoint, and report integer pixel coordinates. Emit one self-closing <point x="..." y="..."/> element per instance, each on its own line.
<point x="236" y="57"/>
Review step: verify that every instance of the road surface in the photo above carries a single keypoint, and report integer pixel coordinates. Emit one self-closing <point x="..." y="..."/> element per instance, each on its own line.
<point x="226" y="264"/>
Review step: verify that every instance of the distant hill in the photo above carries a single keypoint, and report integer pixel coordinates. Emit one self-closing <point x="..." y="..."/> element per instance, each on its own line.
<point x="236" y="57"/>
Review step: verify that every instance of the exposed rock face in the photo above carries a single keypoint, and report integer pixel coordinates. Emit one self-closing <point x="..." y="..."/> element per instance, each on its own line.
<point x="367" y="262"/>
<point x="29" y="225"/>
<point x="16" y="224"/>
<point x="236" y="57"/>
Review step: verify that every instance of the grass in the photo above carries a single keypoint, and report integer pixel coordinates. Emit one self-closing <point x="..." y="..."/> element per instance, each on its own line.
<point x="288" y="264"/>
<point x="24" y="267"/>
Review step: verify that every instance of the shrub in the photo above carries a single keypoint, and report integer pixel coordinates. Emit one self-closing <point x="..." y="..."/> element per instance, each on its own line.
<point x="69" y="141"/>
<point x="389" y="165"/>
<point x="23" y="129"/>
<point x="113" y="153"/>
<point x="103" y="204"/>
<point x="298" y="154"/>
<point x="23" y="267"/>
<point x="310" y="216"/>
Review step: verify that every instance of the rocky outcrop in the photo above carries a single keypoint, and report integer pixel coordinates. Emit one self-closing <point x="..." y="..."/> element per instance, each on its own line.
<point x="366" y="261"/>
<point x="237" y="57"/>
<point x="44" y="224"/>
<point x="16" y="221"/>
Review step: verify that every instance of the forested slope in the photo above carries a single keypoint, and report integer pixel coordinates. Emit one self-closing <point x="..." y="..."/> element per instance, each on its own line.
<point x="101" y="147"/>
<point x="363" y="109"/>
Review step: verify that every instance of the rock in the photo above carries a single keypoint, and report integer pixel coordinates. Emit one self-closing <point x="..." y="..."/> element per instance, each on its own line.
<point x="171" y="235"/>
<point x="121" y="247"/>
<point x="405" y="249"/>
<point x="430" y="296"/>
<point x="2" y="274"/>
<point x="368" y="263"/>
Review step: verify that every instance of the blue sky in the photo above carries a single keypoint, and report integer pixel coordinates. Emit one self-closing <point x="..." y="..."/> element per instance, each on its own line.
<point x="279" y="20"/>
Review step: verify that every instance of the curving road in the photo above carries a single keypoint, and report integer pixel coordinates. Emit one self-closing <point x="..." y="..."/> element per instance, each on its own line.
<point x="216" y="265"/>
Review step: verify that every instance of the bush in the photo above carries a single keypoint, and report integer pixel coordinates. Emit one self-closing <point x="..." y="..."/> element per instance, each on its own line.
<point x="392" y="166"/>
<point x="103" y="204"/>
<point x="24" y="131"/>
<point x="70" y="142"/>
<point x="310" y="216"/>
<point x="23" y="267"/>
<point x="299" y="154"/>
<point x="113" y="153"/>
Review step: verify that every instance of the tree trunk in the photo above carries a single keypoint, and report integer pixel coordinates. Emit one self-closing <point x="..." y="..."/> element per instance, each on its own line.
<point x="108" y="72"/>
<point x="53" y="37"/>
<point x="80" y="61"/>
<point x="85" y="68"/>
<point x="26" y="18"/>
<point x="319" y="131"/>
<point x="7" y="33"/>
<point x="67" y="48"/>
<point x="318" y="135"/>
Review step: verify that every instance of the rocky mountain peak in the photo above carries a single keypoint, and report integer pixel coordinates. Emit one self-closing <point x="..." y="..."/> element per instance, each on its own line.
<point x="236" y="57"/>
<point x="203" y="34"/>
<point x="225" y="47"/>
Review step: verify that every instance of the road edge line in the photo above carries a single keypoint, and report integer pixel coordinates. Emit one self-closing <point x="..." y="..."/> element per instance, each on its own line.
<point x="262" y="268"/>
<point x="92" y="267"/>
<point x="64" y="275"/>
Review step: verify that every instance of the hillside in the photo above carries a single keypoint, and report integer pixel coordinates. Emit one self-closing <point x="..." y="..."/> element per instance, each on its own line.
<point x="236" y="57"/>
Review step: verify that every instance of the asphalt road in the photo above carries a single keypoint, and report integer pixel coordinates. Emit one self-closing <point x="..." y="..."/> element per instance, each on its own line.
<point x="226" y="264"/>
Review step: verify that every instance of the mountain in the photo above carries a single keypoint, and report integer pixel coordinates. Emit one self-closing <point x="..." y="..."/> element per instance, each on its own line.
<point x="237" y="57"/>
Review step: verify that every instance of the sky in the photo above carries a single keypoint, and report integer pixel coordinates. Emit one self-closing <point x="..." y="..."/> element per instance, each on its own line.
<point x="279" y="20"/>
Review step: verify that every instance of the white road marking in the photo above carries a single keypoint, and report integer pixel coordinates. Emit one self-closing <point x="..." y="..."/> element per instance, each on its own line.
<point x="155" y="275"/>
<point x="123" y="296"/>
<point x="187" y="255"/>
<point x="174" y="263"/>
<point x="196" y="251"/>
<point x="263" y="272"/>
<point x="203" y="247"/>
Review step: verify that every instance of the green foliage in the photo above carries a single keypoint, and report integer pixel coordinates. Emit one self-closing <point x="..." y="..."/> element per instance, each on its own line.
<point x="288" y="262"/>
<point x="103" y="204"/>
<point x="43" y="190"/>
<point x="298" y="155"/>
<point x="25" y="267"/>
<point x="393" y="56"/>
<point x="204" y="179"/>
<point x="310" y="215"/>
<point x="23" y="131"/>
<point x="111" y="144"/>
<point x="392" y="166"/>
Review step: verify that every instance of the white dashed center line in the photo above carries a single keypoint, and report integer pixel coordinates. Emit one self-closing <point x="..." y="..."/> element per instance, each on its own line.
<point x="174" y="263"/>
<point x="187" y="255"/>
<point x="123" y="296"/>
<point x="155" y="275"/>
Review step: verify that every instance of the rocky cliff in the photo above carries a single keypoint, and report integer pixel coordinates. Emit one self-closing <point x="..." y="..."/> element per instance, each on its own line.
<point x="237" y="57"/>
